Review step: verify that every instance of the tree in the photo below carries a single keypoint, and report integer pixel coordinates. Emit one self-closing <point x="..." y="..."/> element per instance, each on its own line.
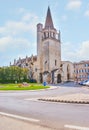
<point x="12" y="74"/>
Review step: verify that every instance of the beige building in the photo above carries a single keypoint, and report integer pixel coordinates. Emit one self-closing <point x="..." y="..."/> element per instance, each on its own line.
<point x="81" y="70"/>
<point x="47" y="65"/>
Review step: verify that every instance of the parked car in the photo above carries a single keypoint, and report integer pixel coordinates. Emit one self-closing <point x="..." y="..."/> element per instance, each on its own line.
<point x="83" y="82"/>
<point x="87" y="83"/>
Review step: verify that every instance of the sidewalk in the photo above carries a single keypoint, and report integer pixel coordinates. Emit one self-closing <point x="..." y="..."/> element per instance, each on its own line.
<point x="69" y="98"/>
<point x="7" y="123"/>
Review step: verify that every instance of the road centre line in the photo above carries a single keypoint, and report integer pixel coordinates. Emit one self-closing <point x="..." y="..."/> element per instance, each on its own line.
<point x="19" y="117"/>
<point x="76" y="127"/>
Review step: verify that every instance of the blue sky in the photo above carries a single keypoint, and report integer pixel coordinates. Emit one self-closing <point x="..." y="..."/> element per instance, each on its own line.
<point x="18" y="20"/>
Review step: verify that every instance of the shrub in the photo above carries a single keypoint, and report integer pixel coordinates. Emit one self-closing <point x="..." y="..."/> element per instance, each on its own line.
<point x="20" y="85"/>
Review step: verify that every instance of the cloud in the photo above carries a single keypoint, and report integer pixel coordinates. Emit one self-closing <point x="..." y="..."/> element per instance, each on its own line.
<point x="71" y="53"/>
<point x="74" y="4"/>
<point x="4" y="42"/>
<point x="84" y="50"/>
<point x="29" y="16"/>
<point x="18" y="27"/>
<point x="87" y="13"/>
<point x="27" y="23"/>
<point x="11" y="44"/>
<point x="15" y="36"/>
<point x="11" y="48"/>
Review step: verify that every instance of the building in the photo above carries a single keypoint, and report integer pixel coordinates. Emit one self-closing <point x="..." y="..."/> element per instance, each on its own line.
<point x="81" y="70"/>
<point x="47" y="65"/>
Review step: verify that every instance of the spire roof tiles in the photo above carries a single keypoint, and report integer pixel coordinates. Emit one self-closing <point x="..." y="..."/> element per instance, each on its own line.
<point x="49" y="22"/>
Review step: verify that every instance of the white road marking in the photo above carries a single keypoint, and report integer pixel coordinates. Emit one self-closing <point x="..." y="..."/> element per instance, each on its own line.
<point x="19" y="117"/>
<point x="76" y="127"/>
<point x="31" y="99"/>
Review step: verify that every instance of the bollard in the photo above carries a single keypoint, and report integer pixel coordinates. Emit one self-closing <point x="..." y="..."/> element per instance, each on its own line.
<point x="44" y="83"/>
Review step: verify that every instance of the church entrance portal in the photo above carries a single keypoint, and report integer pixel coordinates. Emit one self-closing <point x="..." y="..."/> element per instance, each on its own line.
<point x="40" y="77"/>
<point x="68" y="73"/>
<point x="59" y="78"/>
<point x="68" y="77"/>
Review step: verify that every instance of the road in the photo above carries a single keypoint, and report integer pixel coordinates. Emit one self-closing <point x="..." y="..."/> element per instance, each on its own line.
<point x="50" y="114"/>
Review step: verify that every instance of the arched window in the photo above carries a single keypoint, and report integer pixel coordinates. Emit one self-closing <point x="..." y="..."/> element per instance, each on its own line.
<point x="53" y="35"/>
<point x="44" y="35"/>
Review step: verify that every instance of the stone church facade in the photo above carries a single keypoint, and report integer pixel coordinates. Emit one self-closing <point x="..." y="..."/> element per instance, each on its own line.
<point x="47" y="65"/>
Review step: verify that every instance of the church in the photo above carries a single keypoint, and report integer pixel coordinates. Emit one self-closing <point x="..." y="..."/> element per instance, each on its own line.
<point x="47" y="65"/>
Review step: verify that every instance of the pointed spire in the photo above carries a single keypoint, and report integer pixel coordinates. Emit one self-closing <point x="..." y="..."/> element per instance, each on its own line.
<point x="49" y="22"/>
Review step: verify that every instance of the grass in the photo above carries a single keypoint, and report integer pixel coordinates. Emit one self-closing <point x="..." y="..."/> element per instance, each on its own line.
<point x="30" y="86"/>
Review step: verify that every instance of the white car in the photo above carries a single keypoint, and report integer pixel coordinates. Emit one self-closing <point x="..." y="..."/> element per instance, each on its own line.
<point x="87" y="83"/>
<point x="83" y="82"/>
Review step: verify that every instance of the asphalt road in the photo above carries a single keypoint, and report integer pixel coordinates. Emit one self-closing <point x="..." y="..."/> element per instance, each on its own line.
<point x="52" y="115"/>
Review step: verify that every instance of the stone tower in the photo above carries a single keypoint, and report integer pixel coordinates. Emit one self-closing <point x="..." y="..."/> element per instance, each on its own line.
<point x="48" y="47"/>
<point x="47" y="65"/>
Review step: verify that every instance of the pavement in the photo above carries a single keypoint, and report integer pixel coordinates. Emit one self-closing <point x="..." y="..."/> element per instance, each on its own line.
<point x="7" y="123"/>
<point x="71" y="98"/>
<point x="80" y="98"/>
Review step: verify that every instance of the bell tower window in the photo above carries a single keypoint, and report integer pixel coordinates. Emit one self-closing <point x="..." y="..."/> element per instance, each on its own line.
<point x="53" y="35"/>
<point x="55" y="62"/>
<point x="44" y="35"/>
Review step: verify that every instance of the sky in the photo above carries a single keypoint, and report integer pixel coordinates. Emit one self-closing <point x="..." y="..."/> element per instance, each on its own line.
<point x="18" y="20"/>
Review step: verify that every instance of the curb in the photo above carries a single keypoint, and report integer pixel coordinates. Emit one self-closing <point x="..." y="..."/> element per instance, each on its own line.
<point x="45" y="89"/>
<point x="65" y="101"/>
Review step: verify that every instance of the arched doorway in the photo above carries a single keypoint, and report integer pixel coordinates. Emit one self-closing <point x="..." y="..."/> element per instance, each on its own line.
<point x="68" y="76"/>
<point x="68" y="73"/>
<point x="59" y="78"/>
<point x="40" y="77"/>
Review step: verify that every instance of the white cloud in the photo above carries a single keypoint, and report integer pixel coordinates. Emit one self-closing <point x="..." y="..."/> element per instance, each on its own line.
<point x="2" y="30"/>
<point x="4" y="42"/>
<point x="12" y="48"/>
<point x="27" y="23"/>
<point x="87" y="13"/>
<point x="14" y="28"/>
<point x="77" y="54"/>
<point x="9" y="43"/>
<point x="84" y="50"/>
<point x="74" y="4"/>
<point x="29" y="17"/>
<point x="15" y="35"/>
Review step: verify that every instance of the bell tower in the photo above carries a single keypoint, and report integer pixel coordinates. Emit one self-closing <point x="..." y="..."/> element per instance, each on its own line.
<point x="48" y="45"/>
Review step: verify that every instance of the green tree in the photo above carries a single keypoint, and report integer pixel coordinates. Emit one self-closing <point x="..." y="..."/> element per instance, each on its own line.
<point x="12" y="74"/>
